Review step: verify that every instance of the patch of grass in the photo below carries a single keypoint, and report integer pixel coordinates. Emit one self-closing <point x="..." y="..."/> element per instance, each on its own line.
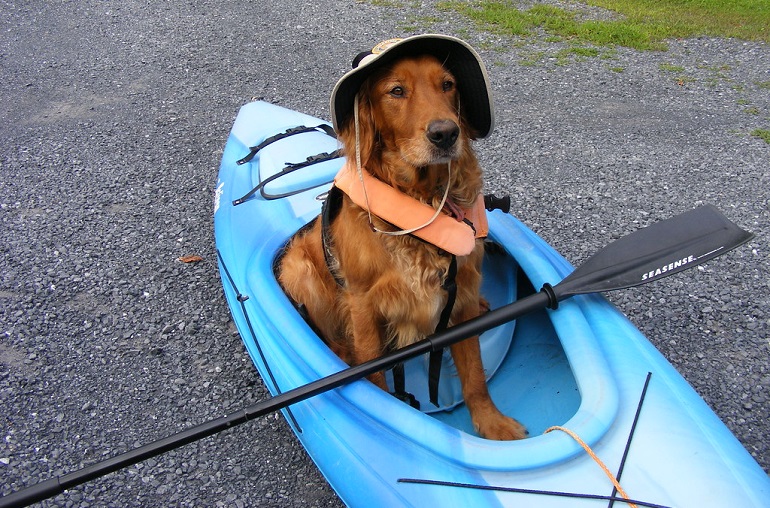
<point x="584" y="52"/>
<point x="666" y="67"/>
<point x="609" y="54"/>
<point x="763" y="134"/>
<point x="742" y="19"/>
<point x="681" y="79"/>
<point x="640" y="24"/>
<point x="579" y="53"/>
<point x="386" y="3"/>
<point x="532" y="58"/>
<point x="502" y="17"/>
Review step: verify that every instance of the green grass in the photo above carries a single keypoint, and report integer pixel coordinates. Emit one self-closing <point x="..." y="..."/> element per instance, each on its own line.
<point x="386" y="3"/>
<point x="640" y="24"/>
<point x="742" y="19"/>
<point x="763" y="134"/>
<point x="670" y="67"/>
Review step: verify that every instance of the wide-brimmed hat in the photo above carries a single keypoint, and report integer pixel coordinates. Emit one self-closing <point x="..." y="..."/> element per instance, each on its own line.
<point x="456" y="55"/>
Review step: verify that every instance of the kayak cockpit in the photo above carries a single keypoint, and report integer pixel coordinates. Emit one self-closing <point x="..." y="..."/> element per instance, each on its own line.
<point x="551" y="372"/>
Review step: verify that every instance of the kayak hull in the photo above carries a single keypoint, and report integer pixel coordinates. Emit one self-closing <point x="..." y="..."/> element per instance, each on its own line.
<point x="583" y="366"/>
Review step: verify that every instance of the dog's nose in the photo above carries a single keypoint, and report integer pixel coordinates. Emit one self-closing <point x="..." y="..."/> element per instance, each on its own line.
<point x="443" y="133"/>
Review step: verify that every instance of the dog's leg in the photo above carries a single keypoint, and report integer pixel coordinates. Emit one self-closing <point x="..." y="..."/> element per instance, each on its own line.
<point x="305" y="278"/>
<point x="367" y="341"/>
<point x="488" y="421"/>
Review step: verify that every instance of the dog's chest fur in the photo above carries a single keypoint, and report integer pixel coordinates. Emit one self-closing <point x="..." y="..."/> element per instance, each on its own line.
<point x="418" y="271"/>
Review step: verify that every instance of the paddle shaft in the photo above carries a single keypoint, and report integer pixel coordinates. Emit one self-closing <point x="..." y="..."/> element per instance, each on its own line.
<point x="692" y="238"/>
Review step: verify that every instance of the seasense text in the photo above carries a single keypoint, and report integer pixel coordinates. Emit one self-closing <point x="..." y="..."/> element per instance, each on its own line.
<point x="668" y="268"/>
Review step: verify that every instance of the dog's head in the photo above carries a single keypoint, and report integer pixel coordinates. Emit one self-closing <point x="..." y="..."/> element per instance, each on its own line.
<point x="420" y="101"/>
<point x="410" y="125"/>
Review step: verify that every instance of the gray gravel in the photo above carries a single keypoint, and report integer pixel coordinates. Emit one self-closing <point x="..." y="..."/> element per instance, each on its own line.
<point x="113" y="120"/>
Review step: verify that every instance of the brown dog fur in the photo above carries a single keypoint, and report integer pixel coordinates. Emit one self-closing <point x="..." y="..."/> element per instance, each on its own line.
<point x="392" y="294"/>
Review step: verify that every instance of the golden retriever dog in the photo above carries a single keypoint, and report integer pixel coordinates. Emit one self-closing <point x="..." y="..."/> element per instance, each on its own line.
<point x="386" y="291"/>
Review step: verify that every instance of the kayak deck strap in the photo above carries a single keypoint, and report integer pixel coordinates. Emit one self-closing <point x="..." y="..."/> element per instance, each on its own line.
<point x="326" y="128"/>
<point x="596" y="458"/>
<point x="632" y="431"/>
<point x="290" y="168"/>
<point x="574" y="495"/>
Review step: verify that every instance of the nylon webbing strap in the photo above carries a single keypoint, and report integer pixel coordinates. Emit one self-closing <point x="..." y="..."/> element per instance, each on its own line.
<point x="329" y="210"/>
<point x="399" y="387"/>
<point x="289" y="132"/>
<point x="313" y="159"/>
<point x="434" y="362"/>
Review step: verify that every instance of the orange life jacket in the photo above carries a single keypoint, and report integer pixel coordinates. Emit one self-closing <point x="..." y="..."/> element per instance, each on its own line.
<point x="405" y="212"/>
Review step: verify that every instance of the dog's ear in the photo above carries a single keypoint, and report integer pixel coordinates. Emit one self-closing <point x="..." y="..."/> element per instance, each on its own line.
<point x="367" y="133"/>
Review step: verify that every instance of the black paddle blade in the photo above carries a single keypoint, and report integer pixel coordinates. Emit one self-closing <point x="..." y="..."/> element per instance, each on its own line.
<point x="654" y="252"/>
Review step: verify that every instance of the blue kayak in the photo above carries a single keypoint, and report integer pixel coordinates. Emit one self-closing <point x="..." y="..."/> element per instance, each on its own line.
<point x="583" y="367"/>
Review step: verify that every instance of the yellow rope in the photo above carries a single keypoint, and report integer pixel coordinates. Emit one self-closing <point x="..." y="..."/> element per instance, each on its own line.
<point x="593" y="455"/>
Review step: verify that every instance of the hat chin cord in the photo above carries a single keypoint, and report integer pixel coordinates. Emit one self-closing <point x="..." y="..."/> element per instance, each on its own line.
<point x="360" y="173"/>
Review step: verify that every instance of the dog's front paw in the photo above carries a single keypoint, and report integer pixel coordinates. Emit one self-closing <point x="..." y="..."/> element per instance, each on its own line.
<point x="500" y="427"/>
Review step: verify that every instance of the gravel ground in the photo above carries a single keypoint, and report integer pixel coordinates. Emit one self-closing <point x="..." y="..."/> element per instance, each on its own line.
<point x="113" y="120"/>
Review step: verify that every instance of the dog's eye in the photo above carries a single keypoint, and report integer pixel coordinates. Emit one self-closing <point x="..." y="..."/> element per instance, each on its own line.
<point x="448" y="85"/>
<point x="397" y="91"/>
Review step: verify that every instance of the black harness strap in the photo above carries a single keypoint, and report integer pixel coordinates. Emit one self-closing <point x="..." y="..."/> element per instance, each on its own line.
<point x="399" y="387"/>
<point x="434" y="362"/>
<point x="329" y="211"/>
<point x="289" y="132"/>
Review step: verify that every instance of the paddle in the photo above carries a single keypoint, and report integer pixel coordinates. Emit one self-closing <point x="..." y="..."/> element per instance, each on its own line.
<point x="648" y="254"/>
